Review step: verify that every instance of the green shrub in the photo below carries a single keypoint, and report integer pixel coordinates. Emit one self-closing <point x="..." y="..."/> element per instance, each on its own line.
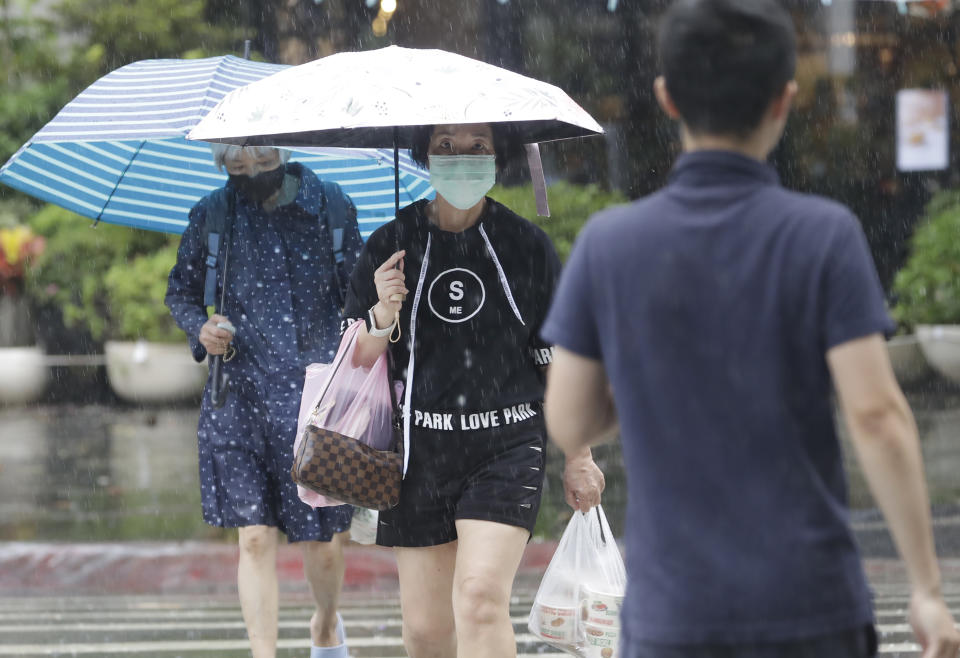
<point x="14" y="211"/>
<point x="111" y="280"/>
<point x="570" y="207"/>
<point x="70" y="274"/>
<point x="927" y="289"/>
<point x="135" y="294"/>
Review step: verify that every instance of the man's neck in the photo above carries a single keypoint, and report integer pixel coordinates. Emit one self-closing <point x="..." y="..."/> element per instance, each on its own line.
<point x="755" y="146"/>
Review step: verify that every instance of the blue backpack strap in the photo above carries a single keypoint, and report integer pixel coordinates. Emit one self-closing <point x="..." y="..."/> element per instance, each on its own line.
<point x="336" y="209"/>
<point x="339" y="218"/>
<point x="218" y="208"/>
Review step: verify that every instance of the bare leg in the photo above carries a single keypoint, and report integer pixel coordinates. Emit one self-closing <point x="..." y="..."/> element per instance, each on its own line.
<point x="257" y="583"/>
<point x="323" y="566"/>
<point x="426" y="584"/>
<point x="487" y="561"/>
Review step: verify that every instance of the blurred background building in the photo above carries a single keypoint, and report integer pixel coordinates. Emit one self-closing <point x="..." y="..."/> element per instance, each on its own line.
<point x="855" y="55"/>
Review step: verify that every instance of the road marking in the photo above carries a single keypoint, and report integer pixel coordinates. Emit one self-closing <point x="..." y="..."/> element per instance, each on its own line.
<point x="162" y="627"/>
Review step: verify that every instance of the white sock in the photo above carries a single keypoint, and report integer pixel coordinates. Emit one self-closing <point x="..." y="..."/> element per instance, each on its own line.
<point x="339" y="651"/>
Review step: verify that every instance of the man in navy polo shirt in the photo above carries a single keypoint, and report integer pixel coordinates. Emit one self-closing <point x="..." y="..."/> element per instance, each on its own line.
<point x="712" y="321"/>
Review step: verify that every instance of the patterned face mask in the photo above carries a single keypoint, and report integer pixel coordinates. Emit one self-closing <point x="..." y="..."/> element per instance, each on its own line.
<point x="463" y="180"/>
<point x="259" y="188"/>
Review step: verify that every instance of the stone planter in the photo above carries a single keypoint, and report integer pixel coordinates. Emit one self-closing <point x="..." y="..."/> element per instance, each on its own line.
<point x="906" y="357"/>
<point x="23" y="374"/>
<point x="153" y="372"/>
<point x="16" y="328"/>
<point x="941" y="346"/>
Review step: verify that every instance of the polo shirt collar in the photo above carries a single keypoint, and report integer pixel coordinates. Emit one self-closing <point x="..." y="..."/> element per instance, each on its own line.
<point x="705" y="168"/>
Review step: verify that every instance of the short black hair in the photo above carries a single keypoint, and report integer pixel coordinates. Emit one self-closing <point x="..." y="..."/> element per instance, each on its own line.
<point x="725" y="61"/>
<point x="506" y="145"/>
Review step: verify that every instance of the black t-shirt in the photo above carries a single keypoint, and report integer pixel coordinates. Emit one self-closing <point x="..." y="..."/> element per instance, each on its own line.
<point x="479" y="310"/>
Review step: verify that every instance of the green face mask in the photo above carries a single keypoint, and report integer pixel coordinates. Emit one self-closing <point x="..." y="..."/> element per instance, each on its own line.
<point x="463" y="180"/>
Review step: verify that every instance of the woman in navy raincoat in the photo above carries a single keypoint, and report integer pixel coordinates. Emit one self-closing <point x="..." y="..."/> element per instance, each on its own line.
<point x="282" y="298"/>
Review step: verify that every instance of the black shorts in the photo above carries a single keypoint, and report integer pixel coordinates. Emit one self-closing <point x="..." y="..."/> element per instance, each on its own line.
<point x="488" y="474"/>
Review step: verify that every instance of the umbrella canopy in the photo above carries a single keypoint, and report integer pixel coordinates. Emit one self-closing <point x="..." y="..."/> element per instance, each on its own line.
<point x="118" y="152"/>
<point x="374" y="98"/>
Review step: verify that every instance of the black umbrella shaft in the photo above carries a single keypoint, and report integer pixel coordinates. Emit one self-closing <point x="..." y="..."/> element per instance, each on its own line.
<point x="396" y="183"/>
<point x="396" y="171"/>
<point x="219" y="381"/>
<point x="226" y="262"/>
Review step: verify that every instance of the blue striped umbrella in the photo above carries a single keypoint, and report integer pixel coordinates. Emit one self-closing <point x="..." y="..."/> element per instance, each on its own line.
<point x="117" y="153"/>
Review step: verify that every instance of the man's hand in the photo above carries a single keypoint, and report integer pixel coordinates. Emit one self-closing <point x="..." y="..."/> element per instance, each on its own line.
<point x="933" y="626"/>
<point x="214" y="339"/>
<point x="583" y="481"/>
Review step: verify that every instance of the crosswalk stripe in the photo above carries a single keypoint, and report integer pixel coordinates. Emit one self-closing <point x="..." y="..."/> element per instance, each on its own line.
<point x="202" y="625"/>
<point x="240" y="645"/>
<point x="151" y="648"/>
<point x="285" y="623"/>
<point x="899" y="649"/>
<point x="380" y="624"/>
<point x="171" y="626"/>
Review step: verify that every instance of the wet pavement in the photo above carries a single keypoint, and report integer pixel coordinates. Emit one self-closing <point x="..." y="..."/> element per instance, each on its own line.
<point x="96" y="472"/>
<point x="103" y="551"/>
<point x="179" y="599"/>
<point x="82" y="473"/>
<point x="192" y="625"/>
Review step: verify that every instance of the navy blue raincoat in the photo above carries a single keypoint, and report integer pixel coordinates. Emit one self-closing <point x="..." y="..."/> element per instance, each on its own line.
<point x="281" y="296"/>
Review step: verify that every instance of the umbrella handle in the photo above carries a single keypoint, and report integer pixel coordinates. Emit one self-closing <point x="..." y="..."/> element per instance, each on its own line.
<point x="219" y="382"/>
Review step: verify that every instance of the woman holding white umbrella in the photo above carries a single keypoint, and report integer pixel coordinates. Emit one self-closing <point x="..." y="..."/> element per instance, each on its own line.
<point x="481" y="279"/>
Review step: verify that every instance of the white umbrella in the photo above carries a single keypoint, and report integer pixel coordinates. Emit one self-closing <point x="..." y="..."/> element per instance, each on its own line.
<point x="375" y="98"/>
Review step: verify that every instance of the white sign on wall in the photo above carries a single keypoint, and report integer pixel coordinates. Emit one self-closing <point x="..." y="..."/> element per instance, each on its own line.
<point x="923" y="141"/>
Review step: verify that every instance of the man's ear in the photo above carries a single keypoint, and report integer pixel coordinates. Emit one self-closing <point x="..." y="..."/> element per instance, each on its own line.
<point x="781" y="105"/>
<point x="663" y="97"/>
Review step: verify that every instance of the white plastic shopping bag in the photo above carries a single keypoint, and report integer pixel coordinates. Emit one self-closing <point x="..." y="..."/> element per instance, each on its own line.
<point x="363" y="525"/>
<point x="577" y="607"/>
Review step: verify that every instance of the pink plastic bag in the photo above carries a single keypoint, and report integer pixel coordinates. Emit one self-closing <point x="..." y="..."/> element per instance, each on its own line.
<point x="352" y="401"/>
